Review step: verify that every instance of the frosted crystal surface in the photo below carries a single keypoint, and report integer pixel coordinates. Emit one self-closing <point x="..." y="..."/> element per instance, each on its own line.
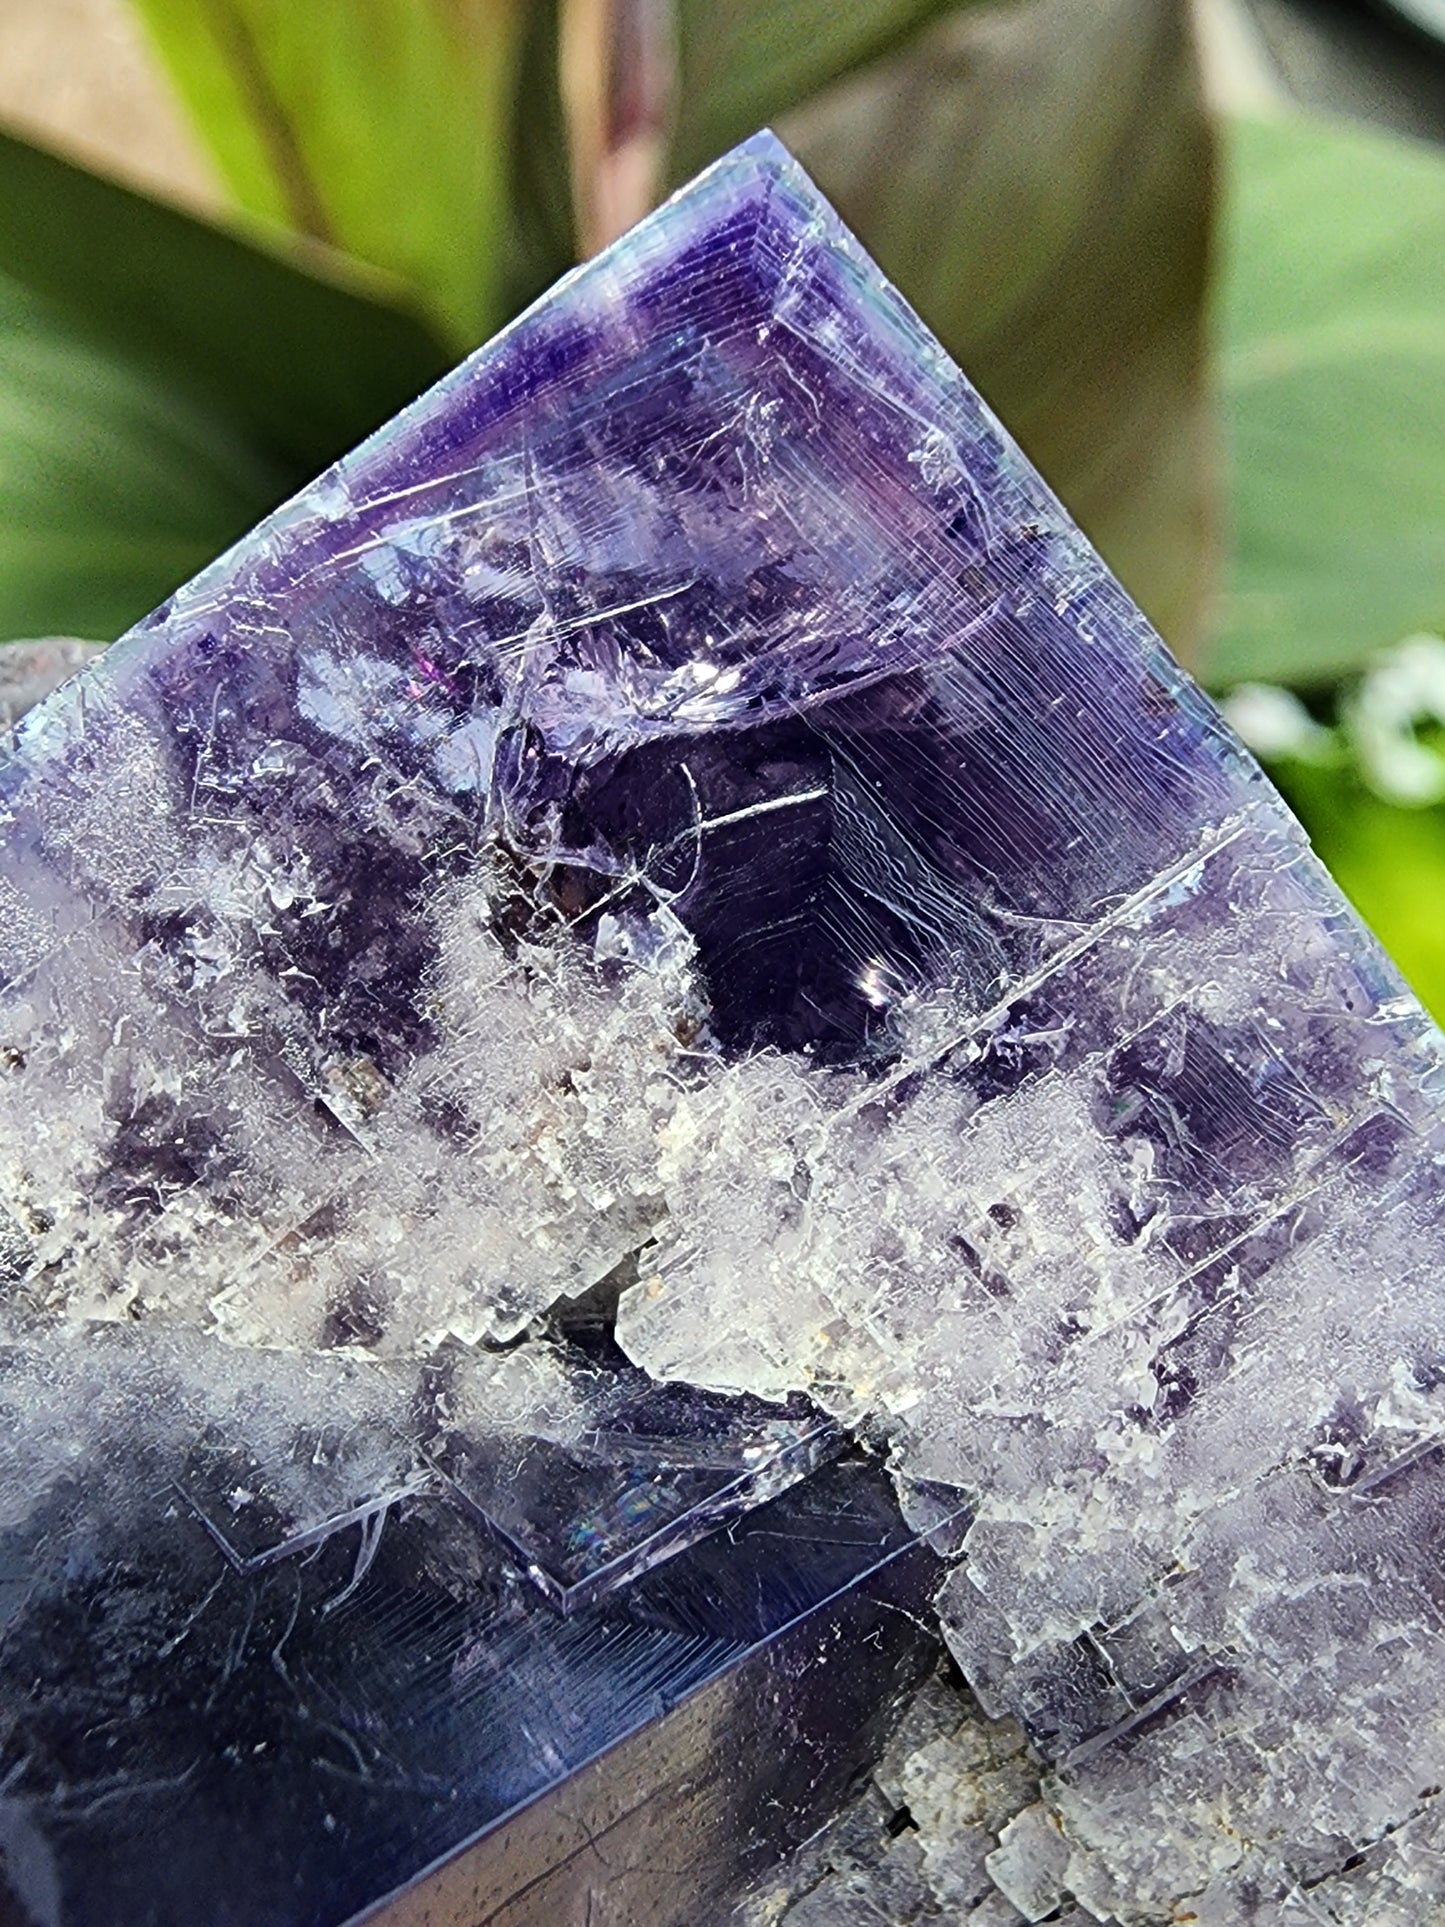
<point x="683" y="813"/>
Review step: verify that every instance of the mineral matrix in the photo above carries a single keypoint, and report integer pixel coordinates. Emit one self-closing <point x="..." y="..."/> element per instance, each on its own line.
<point x="682" y="818"/>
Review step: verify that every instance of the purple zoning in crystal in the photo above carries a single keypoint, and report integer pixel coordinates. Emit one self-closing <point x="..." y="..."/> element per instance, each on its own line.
<point x="389" y="1723"/>
<point x="681" y="821"/>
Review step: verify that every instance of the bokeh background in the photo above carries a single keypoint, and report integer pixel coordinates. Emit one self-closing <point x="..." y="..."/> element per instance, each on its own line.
<point x="1193" y="251"/>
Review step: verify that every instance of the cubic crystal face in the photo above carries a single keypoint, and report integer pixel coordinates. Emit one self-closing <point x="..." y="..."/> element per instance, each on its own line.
<point x="340" y="1698"/>
<point x="681" y="818"/>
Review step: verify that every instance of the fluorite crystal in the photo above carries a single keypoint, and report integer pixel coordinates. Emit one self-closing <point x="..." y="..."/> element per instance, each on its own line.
<point x="681" y="823"/>
<point x="276" y="1721"/>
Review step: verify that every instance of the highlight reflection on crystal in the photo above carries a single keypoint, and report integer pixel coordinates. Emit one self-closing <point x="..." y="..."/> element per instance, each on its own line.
<point x="680" y="824"/>
<point x="304" y="1735"/>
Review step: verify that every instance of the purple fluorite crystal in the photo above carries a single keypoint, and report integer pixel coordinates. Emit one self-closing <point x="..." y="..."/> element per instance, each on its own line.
<point x="682" y="814"/>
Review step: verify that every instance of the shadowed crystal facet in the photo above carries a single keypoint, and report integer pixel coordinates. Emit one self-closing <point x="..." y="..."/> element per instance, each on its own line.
<point x="680" y="824"/>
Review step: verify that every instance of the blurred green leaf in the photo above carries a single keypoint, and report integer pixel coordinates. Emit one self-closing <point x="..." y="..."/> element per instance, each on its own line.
<point x="541" y="230"/>
<point x="304" y="363"/>
<point x="377" y="126"/>
<point x="1333" y="323"/>
<point x="115" y="485"/>
<point x="163" y="383"/>
<point x="1390" y="863"/>
<point x="1038" y="179"/>
<point x="742" y="63"/>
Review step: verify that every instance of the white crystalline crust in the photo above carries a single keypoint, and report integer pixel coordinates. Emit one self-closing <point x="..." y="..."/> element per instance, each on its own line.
<point x="941" y="1266"/>
<point x="1292" y="1707"/>
<point x="961" y="1824"/>
<point x="326" y="1428"/>
<point x="949" y="1271"/>
<point x="952" y="1784"/>
<point x="1140" y="1264"/>
<point x="560" y="1076"/>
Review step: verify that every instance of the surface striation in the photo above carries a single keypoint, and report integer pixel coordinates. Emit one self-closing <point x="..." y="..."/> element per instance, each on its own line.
<point x="682" y="813"/>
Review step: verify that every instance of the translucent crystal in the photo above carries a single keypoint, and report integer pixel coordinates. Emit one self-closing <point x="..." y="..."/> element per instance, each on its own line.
<point x="340" y="1698"/>
<point x="682" y="818"/>
<point x="590" y="1473"/>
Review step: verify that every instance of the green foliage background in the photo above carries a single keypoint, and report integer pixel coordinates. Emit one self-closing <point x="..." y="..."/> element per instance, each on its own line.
<point x="1223" y="343"/>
